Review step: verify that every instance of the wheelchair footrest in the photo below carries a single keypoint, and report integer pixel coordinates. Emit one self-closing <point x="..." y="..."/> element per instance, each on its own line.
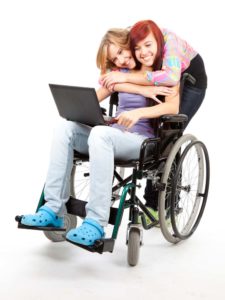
<point x="22" y="226"/>
<point x="100" y="246"/>
<point x="77" y="207"/>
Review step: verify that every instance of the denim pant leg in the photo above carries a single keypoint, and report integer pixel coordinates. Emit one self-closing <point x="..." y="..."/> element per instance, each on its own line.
<point x="192" y="98"/>
<point x="105" y="144"/>
<point x="68" y="136"/>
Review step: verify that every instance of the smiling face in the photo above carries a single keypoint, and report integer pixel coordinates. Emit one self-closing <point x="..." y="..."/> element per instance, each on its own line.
<point x="122" y="58"/>
<point x="146" y="50"/>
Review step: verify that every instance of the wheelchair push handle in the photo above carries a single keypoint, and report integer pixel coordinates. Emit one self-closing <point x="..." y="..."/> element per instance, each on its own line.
<point x="188" y="77"/>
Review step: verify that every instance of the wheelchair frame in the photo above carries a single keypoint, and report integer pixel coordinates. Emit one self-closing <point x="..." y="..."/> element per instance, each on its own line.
<point x="158" y="156"/>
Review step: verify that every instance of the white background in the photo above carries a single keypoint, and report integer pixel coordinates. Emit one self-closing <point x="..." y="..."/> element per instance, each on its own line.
<point x="56" y="41"/>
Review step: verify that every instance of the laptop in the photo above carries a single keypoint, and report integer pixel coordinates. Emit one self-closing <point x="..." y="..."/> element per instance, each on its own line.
<point x="79" y="104"/>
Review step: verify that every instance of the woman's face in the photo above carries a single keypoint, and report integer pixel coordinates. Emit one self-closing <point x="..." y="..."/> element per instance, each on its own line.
<point x="121" y="58"/>
<point x="146" y="50"/>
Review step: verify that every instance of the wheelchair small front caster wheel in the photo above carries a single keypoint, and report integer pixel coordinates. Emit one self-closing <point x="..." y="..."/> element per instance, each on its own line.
<point x="134" y="243"/>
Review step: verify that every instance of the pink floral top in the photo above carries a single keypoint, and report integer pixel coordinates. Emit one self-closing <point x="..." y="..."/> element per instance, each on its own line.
<point x="176" y="59"/>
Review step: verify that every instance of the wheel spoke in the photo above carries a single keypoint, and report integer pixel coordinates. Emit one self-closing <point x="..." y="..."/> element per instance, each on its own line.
<point x="186" y="176"/>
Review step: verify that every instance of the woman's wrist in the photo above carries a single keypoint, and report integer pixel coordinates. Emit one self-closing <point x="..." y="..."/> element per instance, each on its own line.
<point x="128" y="77"/>
<point x="141" y="112"/>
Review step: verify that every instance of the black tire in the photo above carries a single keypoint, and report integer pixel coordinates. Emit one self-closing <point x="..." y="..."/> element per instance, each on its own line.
<point x="134" y="242"/>
<point x="190" y="190"/>
<point x="167" y="179"/>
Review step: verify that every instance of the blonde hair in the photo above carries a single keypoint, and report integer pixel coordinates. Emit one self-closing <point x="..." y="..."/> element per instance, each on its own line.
<point x="116" y="36"/>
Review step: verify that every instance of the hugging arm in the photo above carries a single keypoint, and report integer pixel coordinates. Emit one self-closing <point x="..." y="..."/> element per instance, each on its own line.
<point x="103" y="93"/>
<point x="170" y="106"/>
<point x="129" y="118"/>
<point x="146" y="91"/>
<point x="168" y="76"/>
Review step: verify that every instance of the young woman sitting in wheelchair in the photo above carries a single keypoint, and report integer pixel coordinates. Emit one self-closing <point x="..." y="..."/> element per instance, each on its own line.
<point x="104" y="144"/>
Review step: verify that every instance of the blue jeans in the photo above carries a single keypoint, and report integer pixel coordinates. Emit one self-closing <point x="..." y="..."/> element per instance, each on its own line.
<point x="104" y="144"/>
<point x="192" y="98"/>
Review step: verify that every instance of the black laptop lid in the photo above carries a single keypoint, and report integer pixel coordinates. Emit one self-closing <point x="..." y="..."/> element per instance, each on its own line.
<point x="78" y="104"/>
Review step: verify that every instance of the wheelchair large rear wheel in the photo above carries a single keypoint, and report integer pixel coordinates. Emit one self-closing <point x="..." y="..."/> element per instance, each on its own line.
<point x="167" y="179"/>
<point x="190" y="190"/>
<point x="80" y="181"/>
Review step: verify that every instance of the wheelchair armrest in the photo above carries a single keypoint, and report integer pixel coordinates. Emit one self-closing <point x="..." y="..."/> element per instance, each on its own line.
<point x="179" y="118"/>
<point x="149" y="150"/>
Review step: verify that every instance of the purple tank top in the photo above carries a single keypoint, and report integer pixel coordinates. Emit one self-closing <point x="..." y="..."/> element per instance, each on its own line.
<point x="128" y="102"/>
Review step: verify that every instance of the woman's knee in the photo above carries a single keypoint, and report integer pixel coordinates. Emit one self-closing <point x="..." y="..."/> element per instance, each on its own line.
<point x="65" y="130"/>
<point x="99" y="133"/>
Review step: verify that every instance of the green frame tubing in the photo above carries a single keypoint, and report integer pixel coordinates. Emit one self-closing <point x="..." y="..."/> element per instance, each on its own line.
<point x="41" y="200"/>
<point x="121" y="208"/>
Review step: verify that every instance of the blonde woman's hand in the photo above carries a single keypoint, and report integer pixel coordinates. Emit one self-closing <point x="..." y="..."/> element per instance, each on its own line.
<point x="111" y="78"/>
<point x="128" y="118"/>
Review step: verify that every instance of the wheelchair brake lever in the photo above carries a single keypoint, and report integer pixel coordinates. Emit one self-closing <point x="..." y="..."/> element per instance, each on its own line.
<point x="110" y="120"/>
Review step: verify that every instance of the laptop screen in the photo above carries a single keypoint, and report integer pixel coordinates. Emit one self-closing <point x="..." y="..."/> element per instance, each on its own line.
<point x="78" y="104"/>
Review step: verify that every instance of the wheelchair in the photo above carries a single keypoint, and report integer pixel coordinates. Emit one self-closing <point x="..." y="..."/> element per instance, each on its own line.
<point x="176" y="164"/>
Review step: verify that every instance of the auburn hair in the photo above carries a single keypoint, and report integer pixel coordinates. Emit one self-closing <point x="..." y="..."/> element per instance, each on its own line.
<point x="140" y="31"/>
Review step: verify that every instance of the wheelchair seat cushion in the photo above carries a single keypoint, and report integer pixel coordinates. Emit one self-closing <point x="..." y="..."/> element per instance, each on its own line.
<point x="45" y="217"/>
<point x="87" y="233"/>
